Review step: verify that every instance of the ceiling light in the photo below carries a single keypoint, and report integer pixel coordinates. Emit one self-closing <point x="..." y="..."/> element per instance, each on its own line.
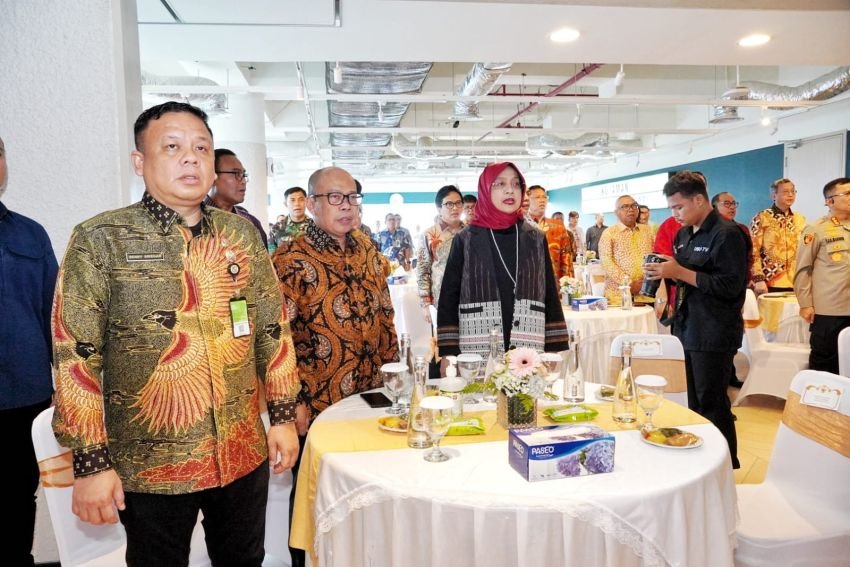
<point x="337" y="73"/>
<point x="618" y="79"/>
<point x="754" y="40"/>
<point x="564" y="35"/>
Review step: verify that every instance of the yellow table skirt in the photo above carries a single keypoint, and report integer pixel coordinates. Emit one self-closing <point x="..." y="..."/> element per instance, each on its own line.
<point x="363" y="435"/>
<point x="772" y="309"/>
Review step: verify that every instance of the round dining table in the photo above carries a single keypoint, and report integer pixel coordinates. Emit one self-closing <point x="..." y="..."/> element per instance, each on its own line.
<point x="598" y="329"/>
<point x="781" y="321"/>
<point x="365" y="499"/>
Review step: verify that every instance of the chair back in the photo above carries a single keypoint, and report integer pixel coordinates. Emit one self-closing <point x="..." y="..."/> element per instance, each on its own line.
<point x="844" y="352"/>
<point x="752" y="321"/>
<point x="652" y="354"/>
<point x="76" y="541"/>
<point x="812" y="450"/>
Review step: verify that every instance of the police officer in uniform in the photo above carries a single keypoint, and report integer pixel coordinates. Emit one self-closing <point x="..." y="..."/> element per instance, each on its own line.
<point x="822" y="281"/>
<point x="710" y="269"/>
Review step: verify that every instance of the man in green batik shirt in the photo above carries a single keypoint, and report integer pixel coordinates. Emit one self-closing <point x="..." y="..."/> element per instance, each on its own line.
<point x="293" y="224"/>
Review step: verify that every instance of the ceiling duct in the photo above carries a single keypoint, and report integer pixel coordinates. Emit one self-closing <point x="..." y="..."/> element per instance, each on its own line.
<point x="369" y="78"/>
<point x="824" y="87"/>
<point x="289" y="150"/>
<point x="479" y="81"/>
<point x="427" y="148"/>
<point x="588" y="145"/>
<point x="212" y="104"/>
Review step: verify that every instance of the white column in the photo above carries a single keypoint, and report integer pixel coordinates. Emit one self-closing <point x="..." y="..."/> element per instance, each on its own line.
<point x="243" y="130"/>
<point x="69" y="94"/>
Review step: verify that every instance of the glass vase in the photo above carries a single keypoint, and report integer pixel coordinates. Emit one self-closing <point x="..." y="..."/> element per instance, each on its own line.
<point x="516" y="412"/>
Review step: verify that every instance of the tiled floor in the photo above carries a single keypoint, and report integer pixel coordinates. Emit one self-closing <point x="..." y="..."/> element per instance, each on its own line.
<point x="756" y="426"/>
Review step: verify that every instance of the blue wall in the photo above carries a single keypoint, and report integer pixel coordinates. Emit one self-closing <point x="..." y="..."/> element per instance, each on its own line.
<point x="747" y="175"/>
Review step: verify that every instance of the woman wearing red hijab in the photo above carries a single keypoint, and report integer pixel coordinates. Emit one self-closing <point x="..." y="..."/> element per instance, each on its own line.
<point x="498" y="273"/>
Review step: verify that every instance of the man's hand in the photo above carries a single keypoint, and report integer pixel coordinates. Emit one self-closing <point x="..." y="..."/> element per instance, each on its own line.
<point x="426" y="312"/>
<point x="283" y="447"/>
<point x="444" y="364"/>
<point x="302" y="419"/>
<point x="634" y="287"/>
<point x="760" y="287"/>
<point x="665" y="269"/>
<point x="95" y="498"/>
<point x="808" y="313"/>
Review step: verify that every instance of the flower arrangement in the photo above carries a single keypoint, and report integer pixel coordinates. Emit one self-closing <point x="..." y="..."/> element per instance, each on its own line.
<point x="522" y="373"/>
<point x="570" y="286"/>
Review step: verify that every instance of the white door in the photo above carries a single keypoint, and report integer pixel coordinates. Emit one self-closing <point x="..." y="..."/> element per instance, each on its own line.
<point x="811" y="163"/>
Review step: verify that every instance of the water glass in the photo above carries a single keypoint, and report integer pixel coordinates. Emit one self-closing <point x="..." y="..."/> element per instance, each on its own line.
<point x="553" y="362"/>
<point x="395" y="377"/>
<point x="436" y="416"/>
<point x="469" y="366"/>
<point x="650" y="393"/>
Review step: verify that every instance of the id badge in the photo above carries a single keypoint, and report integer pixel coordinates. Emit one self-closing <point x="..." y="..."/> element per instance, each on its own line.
<point x="239" y="317"/>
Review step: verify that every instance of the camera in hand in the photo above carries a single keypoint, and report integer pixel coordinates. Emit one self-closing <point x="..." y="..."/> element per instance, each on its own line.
<point x="650" y="287"/>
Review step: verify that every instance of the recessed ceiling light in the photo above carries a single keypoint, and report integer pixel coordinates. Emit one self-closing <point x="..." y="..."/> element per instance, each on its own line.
<point x="564" y="35"/>
<point x="754" y="40"/>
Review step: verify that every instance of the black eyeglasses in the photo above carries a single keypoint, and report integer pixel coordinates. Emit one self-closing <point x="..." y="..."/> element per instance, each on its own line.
<point x="627" y="207"/>
<point x="842" y="194"/>
<point x="453" y="204"/>
<point x="237" y="173"/>
<point x="729" y="203"/>
<point x="336" y="199"/>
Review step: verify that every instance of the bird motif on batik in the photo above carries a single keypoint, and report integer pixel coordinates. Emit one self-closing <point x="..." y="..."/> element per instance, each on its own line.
<point x="81" y="392"/>
<point x="189" y="378"/>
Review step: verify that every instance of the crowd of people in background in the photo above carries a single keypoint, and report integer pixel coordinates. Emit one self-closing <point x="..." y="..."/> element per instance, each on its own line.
<point x="170" y="316"/>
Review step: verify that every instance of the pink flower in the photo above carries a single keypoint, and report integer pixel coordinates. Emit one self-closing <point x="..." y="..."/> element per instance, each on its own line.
<point x="523" y="361"/>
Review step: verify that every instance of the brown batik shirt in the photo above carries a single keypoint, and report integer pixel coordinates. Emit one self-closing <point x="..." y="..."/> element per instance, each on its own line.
<point x="340" y="313"/>
<point x="150" y="379"/>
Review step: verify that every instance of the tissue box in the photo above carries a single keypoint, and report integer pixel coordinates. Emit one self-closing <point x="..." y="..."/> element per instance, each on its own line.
<point x="590" y="302"/>
<point x="560" y="451"/>
<point x="397" y="280"/>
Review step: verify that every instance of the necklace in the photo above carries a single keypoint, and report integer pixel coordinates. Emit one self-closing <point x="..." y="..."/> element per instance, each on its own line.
<point x="516" y="257"/>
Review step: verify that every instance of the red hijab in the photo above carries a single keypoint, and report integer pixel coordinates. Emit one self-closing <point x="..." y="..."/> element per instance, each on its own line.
<point x="486" y="213"/>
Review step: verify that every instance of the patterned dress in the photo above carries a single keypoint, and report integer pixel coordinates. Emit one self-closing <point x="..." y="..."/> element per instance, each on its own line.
<point x="431" y="262"/>
<point x="775" y="236"/>
<point x="340" y="312"/>
<point x="151" y="378"/>
<point x="621" y="251"/>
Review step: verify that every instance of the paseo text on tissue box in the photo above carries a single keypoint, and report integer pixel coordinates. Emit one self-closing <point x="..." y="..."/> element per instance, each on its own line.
<point x="559" y="451"/>
<point x="589" y="303"/>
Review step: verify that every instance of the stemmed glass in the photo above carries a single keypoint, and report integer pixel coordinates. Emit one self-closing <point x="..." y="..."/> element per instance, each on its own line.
<point x="436" y="416"/>
<point x="552" y="361"/>
<point x="395" y="378"/>
<point x="469" y="366"/>
<point x="650" y="393"/>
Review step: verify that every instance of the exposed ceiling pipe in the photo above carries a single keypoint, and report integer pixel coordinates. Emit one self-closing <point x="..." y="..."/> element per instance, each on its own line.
<point x="479" y="81"/>
<point x="299" y="71"/>
<point x="824" y="87"/>
<point x="584" y="72"/>
<point x="211" y="103"/>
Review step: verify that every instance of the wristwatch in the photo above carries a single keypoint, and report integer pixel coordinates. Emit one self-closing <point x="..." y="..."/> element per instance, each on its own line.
<point x="660" y="301"/>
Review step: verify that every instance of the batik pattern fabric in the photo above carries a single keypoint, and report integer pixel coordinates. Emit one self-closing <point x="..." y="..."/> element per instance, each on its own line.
<point x="340" y="312"/>
<point x="150" y="377"/>
<point x="562" y="246"/>
<point x="431" y="261"/>
<point x="621" y="251"/>
<point x="775" y="236"/>
<point x="393" y="245"/>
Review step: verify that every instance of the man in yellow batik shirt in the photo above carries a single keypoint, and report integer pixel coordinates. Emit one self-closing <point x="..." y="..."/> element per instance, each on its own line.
<point x="622" y="248"/>
<point x="775" y="233"/>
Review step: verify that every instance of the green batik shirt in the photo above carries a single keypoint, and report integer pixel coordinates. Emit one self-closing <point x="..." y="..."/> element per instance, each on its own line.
<point x="152" y="377"/>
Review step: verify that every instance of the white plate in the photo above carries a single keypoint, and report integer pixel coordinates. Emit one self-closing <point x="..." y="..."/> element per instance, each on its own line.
<point x="382" y="425"/>
<point x="600" y="397"/>
<point x="665" y="446"/>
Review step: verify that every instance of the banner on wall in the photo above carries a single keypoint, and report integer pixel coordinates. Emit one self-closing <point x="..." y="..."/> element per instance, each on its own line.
<point x="646" y="190"/>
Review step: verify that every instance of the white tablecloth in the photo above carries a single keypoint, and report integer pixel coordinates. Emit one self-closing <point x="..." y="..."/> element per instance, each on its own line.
<point x="786" y="325"/>
<point x="658" y="507"/>
<point x="408" y="316"/>
<point x="598" y="329"/>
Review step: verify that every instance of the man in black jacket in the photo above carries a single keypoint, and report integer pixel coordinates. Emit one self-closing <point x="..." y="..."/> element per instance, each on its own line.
<point x="710" y="269"/>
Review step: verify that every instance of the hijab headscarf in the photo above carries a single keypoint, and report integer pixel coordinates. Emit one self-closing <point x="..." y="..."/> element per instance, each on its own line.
<point x="486" y="213"/>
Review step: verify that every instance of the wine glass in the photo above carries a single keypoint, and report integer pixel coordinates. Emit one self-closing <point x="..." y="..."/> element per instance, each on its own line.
<point x="395" y="378"/>
<point x="469" y="366"/>
<point x="552" y="361"/>
<point x="650" y="393"/>
<point x="436" y="416"/>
